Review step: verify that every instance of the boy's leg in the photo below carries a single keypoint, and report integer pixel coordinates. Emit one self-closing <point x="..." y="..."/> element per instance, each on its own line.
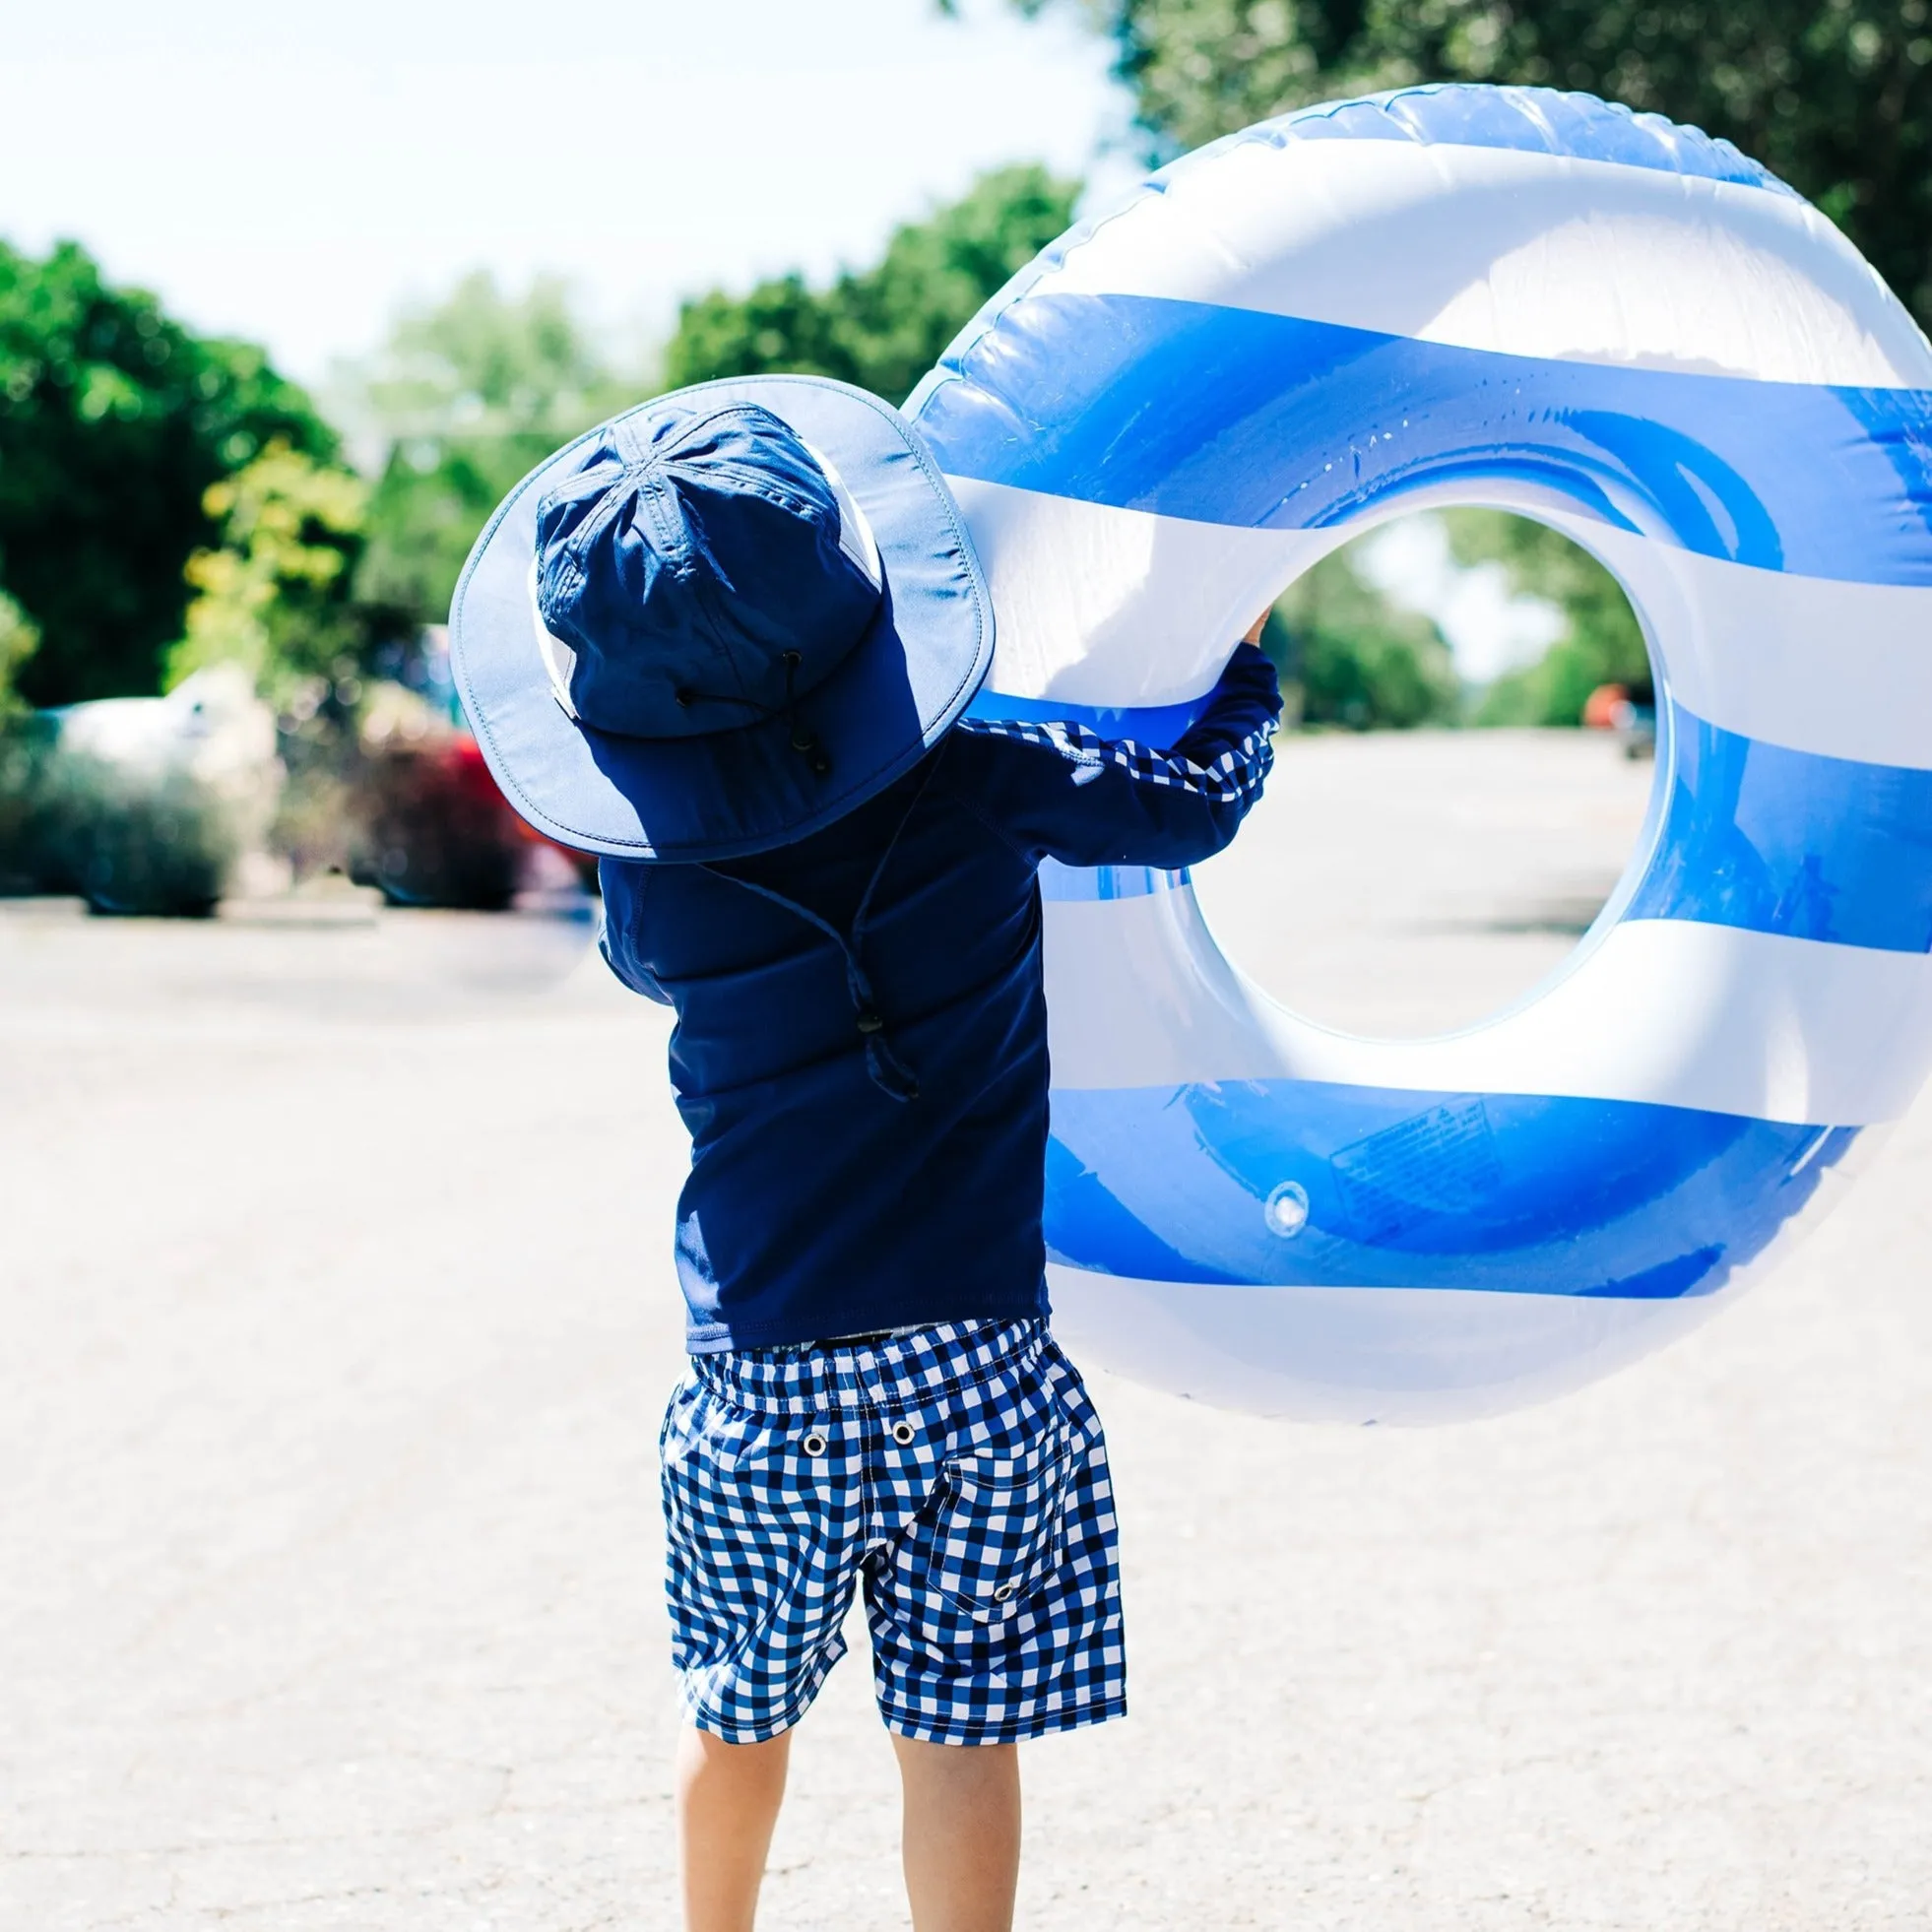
<point x="994" y="1606"/>
<point x="727" y="1797"/>
<point x="961" y="1836"/>
<point x="763" y="1481"/>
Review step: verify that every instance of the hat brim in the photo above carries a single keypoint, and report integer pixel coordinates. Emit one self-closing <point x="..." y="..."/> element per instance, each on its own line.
<point x="729" y="793"/>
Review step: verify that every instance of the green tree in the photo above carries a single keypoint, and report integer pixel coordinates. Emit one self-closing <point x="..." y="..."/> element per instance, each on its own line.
<point x="465" y="399"/>
<point x="19" y="640"/>
<point x="114" y="421"/>
<point x="274" y="597"/>
<point x="1602" y="643"/>
<point x="469" y="395"/>
<point x="1835" y="96"/>
<point x="1357" y="659"/>
<point x="881" y="328"/>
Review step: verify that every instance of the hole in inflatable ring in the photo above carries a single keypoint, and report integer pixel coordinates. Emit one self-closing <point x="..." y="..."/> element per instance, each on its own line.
<point x="1471" y="776"/>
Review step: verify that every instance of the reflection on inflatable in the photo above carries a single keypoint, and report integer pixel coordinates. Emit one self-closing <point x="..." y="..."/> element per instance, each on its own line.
<point x="1422" y="1189"/>
<point x="1539" y="303"/>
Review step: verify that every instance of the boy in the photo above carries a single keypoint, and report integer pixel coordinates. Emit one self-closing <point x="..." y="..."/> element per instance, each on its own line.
<point x="724" y="642"/>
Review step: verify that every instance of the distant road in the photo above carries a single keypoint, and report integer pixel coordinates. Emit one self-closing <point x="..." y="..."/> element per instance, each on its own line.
<point x="1411" y="882"/>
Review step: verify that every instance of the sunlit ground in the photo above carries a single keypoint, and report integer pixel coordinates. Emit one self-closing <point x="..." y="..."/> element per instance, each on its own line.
<point x="335" y="1277"/>
<point x="1408" y="883"/>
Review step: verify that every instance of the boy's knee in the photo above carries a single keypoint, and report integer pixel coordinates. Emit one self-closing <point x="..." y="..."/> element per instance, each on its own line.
<point x="704" y="1753"/>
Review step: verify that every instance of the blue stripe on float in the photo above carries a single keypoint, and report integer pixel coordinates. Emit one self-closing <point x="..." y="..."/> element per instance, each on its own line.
<point x="1791" y="842"/>
<point x="1536" y="121"/>
<point x="1158" y="725"/>
<point x="1498" y="1193"/>
<point x="1755" y="836"/>
<point x="1533" y="120"/>
<point x="1229" y="416"/>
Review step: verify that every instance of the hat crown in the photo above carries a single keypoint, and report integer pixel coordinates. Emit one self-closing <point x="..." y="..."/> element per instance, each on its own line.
<point x="697" y="564"/>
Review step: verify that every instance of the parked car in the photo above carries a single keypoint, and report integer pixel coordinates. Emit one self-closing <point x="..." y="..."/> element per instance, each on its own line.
<point x="434" y="830"/>
<point x="1630" y="713"/>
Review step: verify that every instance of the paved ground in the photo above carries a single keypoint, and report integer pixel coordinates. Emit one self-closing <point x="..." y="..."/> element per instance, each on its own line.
<point x="339" y="1320"/>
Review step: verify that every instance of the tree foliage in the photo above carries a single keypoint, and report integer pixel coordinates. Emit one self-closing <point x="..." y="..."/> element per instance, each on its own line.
<point x="274" y="597"/>
<point x="1602" y="643"/>
<point x="465" y="399"/>
<point x="1359" y="659"/>
<point x="469" y="395"/>
<point x="1835" y="96"/>
<point x="20" y="639"/>
<point x="883" y="327"/>
<point x="115" y="421"/>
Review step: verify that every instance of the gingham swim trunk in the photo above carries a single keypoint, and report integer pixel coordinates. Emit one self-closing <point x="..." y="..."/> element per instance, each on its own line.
<point x="957" y="1472"/>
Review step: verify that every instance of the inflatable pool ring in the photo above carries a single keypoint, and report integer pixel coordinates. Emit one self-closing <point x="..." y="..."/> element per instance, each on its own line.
<point x="1537" y="302"/>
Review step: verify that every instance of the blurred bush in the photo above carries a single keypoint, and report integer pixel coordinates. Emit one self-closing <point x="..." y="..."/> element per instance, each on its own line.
<point x="130" y="839"/>
<point x="127" y="839"/>
<point x="23" y="746"/>
<point x="138" y="805"/>
<point x="146" y="805"/>
<point x="431" y="828"/>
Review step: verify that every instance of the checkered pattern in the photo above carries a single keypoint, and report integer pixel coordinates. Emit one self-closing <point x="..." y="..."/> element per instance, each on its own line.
<point x="1234" y="777"/>
<point x="957" y="1473"/>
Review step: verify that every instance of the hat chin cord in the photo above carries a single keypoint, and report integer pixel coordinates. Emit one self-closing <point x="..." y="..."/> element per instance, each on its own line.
<point x="883" y="1067"/>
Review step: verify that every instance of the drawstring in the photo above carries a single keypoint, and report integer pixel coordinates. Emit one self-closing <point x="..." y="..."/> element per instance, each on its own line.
<point x="888" y="1073"/>
<point x="804" y="742"/>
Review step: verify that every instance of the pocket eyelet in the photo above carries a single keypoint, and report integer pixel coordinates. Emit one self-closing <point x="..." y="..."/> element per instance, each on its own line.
<point x="814" y="1445"/>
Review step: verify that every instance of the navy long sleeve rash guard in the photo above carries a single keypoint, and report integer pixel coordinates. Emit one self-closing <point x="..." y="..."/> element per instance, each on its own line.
<point x="822" y="1201"/>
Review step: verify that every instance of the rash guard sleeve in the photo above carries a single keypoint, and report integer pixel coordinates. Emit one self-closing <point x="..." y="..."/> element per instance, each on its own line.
<point x="1060" y="791"/>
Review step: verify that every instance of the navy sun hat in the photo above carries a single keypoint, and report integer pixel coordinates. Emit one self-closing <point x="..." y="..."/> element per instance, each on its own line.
<point x="720" y="622"/>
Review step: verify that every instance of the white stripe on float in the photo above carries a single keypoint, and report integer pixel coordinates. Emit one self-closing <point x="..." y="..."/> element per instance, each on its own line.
<point x="1841" y="669"/>
<point x="1667" y="1011"/>
<point x="1528" y="254"/>
<point x="1389" y="1355"/>
<point x="1112" y="606"/>
<point x="1103" y="606"/>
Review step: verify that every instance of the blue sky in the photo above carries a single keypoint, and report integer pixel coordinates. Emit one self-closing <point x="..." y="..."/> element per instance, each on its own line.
<point x="293" y="174"/>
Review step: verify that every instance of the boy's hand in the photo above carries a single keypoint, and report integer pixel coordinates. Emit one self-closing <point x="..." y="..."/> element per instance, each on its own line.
<point x="1252" y="634"/>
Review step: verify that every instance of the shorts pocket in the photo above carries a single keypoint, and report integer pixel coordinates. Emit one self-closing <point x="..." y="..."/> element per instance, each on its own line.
<point x="999" y="1531"/>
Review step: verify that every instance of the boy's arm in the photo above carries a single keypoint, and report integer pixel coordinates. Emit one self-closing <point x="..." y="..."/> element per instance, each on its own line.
<point x="1063" y="791"/>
